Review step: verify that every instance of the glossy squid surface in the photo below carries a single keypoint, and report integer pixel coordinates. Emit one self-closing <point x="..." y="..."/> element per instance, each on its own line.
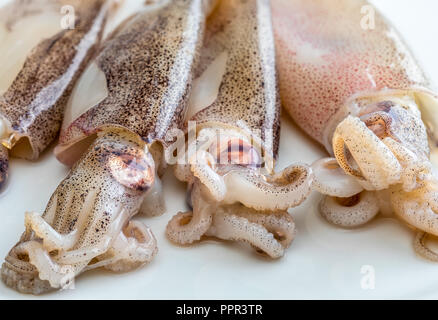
<point x="348" y="79"/>
<point x="143" y="72"/>
<point x="235" y="106"/>
<point x="39" y="71"/>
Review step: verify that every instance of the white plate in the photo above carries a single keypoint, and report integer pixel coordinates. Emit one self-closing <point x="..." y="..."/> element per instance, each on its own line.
<point x="323" y="261"/>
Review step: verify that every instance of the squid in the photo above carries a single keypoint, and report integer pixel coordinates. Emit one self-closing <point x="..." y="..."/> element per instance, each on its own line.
<point x="43" y="53"/>
<point x="232" y="139"/>
<point x="134" y="91"/>
<point x="351" y="83"/>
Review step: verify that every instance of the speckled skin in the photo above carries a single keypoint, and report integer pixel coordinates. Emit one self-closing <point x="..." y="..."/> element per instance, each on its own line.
<point x="354" y="86"/>
<point x="248" y="96"/>
<point x="4" y="165"/>
<point x="70" y="208"/>
<point x="148" y="67"/>
<point x="107" y="186"/>
<point x="325" y="58"/>
<point x="234" y="196"/>
<point x="35" y="102"/>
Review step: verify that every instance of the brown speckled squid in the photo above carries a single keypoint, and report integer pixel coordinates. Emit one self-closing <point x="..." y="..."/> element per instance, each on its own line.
<point x="234" y="193"/>
<point x="134" y="91"/>
<point x="40" y="63"/>
<point x="351" y="83"/>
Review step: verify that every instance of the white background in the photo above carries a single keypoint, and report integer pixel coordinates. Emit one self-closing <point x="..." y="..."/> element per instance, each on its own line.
<point x="323" y="261"/>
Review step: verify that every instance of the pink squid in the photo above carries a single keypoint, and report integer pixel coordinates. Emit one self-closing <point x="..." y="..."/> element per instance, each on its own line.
<point x="134" y="92"/>
<point x="351" y="83"/>
<point x="233" y="137"/>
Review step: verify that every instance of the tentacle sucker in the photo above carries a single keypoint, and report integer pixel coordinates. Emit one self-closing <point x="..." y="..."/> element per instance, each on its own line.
<point x="269" y="232"/>
<point x="18" y="272"/>
<point x="231" y="227"/>
<point x="49" y="270"/>
<point x="283" y="190"/>
<point x="279" y="223"/>
<point x="378" y="168"/>
<point x="414" y="169"/>
<point x="419" y="207"/>
<point x="421" y="248"/>
<point x="188" y="227"/>
<point x="350" y="212"/>
<point x="203" y="166"/>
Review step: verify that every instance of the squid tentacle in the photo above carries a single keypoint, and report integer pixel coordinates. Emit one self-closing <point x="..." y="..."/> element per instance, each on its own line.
<point x="378" y="167"/>
<point x="229" y="226"/>
<point x="48" y="270"/>
<point x="422" y="249"/>
<point x="280" y="223"/>
<point x="60" y="269"/>
<point x="283" y="190"/>
<point x="350" y="212"/>
<point x="253" y="188"/>
<point x="189" y="227"/>
<point x="22" y="275"/>
<point x="330" y="179"/>
<point x="87" y="253"/>
<point x="415" y="170"/>
<point x="52" y="240"/>
<point x="203" y="167"/>
<point x="134" y="247"/>
<point x="418" y="207"/>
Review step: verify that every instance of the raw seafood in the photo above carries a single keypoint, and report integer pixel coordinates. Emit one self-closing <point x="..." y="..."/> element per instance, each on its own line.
<point x="235" y="107"/>
<point x="348" y="79"/>
<point x="141" y="79"/>
<point x="39" y="71"/>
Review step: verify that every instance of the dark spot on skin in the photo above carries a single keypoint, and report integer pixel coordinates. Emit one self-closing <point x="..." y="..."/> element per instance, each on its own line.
<point x="350" y="201"/>
<point x="73" y="224"/>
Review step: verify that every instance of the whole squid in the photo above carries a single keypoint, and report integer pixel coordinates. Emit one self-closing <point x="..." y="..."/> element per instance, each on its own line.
<point x="348" y="79"/>
<point x="134" y="91"/>
<point x="44" y="47"/>
<point x="233" y="137"/>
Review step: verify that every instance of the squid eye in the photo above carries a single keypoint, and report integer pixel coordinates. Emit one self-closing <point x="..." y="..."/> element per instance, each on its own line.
<point x="132" y="170"/>
<point x="236" y="151"/>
